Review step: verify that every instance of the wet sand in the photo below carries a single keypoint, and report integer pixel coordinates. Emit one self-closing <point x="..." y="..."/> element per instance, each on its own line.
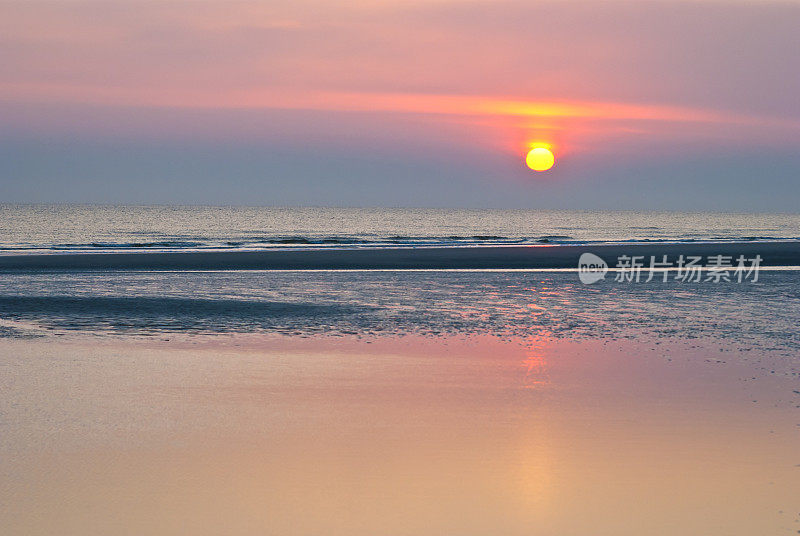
<point x="252" y="434"/>
<point x="479" y="257"/>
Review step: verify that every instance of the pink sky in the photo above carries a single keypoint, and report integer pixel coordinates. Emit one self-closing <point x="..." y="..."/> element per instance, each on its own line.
<point x="649" y="77"/>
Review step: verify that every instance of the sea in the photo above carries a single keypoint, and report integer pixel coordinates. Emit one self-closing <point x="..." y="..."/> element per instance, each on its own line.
<point x="96" y="228"/>
<point x="367" y="303"/>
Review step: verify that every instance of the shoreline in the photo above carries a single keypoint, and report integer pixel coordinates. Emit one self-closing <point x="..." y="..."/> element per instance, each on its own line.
<point x="479" y="257"/>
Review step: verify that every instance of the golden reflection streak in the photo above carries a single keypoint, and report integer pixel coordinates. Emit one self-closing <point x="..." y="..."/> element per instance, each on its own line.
<point x="536" y="482"/>
<point x="535" y="366"/>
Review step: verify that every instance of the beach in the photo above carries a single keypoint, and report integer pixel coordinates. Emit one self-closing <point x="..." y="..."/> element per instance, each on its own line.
<point x="342" y="436"/>
<point x="396" y="402"/>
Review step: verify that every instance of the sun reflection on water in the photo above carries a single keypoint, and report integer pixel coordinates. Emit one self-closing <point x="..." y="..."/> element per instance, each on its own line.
<point x="535" y="364"/>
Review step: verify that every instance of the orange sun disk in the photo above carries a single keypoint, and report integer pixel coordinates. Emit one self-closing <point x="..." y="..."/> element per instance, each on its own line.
<point x="540" y="159"/>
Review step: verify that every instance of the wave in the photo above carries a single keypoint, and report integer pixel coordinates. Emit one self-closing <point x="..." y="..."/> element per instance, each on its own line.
<point x="270" y="242"/>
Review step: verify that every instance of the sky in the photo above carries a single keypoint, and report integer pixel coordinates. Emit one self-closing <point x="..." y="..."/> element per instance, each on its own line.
<point x="646" y="104"/>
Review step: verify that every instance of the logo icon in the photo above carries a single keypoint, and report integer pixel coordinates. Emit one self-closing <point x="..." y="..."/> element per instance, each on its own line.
<point x="591" y="268"/>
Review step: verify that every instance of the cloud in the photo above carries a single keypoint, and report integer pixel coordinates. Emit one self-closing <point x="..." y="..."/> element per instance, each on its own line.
<point x="431" y="83"/>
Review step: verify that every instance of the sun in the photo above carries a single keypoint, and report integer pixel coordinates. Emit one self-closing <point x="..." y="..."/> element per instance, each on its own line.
<point x="540" y="159"/>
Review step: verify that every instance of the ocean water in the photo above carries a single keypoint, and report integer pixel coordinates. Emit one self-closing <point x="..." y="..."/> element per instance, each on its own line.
<point x="371" y="304"/>
<point x="98" y="228"/>
<point x="375" y="303"/>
